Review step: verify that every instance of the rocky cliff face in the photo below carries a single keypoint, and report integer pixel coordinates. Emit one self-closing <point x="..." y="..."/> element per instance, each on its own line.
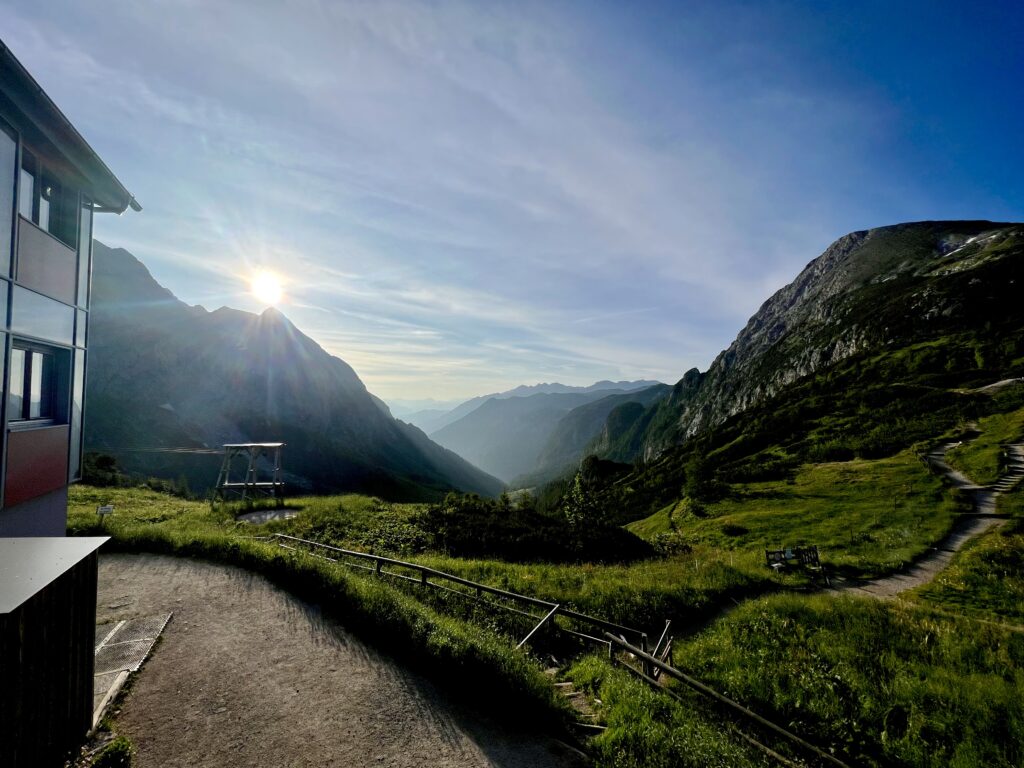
<point x="871" y="289"/>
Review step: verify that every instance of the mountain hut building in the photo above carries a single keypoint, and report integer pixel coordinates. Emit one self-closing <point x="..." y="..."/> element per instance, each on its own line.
<point x="52" y="184"/>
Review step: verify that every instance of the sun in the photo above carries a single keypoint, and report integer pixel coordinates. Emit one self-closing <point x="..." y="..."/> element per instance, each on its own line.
<point x="266" y="286"/>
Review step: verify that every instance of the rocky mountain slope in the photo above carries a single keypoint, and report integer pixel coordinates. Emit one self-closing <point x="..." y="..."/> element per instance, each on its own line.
<point x="876" y="289"/>
<point x="164" y="375"/>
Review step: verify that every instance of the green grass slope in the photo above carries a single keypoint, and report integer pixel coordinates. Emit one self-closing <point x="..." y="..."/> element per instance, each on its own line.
<point x="983" y="459"/>
<point x="882" y="683"/>
<point x="866" y="516"/>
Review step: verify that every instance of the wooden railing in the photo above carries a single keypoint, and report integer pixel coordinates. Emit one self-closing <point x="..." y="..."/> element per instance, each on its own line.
<point x="650" y="662"/>
<point x="431" y="577"/>
<point x="613" y="636"/>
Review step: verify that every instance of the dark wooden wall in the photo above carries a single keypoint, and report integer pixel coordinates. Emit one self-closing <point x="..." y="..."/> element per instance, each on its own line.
<point x="47" y="658"/>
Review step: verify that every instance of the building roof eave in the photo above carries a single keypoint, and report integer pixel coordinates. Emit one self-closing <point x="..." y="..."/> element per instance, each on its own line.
<point x="54" y="128"/>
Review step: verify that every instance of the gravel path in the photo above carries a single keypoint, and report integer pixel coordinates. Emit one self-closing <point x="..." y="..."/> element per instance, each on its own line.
<point x="248" y="675"/>
<point x="968" y="526"/>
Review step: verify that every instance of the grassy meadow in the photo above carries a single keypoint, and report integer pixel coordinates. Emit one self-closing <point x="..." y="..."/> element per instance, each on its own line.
<point x="645" y="729"/>
<point x="987" y="577"/>
<point x="930" y="680"/>
<point x="867" y="517"/>
<point x="688" y="586"/>
<point x="882" y="683"/>
<point x="982" y="459"/>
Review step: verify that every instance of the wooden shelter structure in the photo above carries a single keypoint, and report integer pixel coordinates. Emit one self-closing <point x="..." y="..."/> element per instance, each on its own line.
<point x="254" y="483"/>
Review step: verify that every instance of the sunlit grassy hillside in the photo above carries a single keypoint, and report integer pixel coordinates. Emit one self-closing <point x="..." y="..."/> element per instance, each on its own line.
<point x="866" y="516"/>
<point x="984" y="459"/>
<point x="872" y="681"/>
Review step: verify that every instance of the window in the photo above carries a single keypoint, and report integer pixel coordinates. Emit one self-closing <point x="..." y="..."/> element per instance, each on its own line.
<point x="84" y="252"/>
<point x="32" y="385"/>
<point x="44" y="201"/>
<point x="27" y="190"/>
<point x="42" y="317"/>
<point x="8" y="184"/>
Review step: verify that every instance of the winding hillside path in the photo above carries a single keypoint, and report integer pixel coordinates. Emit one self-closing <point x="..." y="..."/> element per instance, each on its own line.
<point x="246" y="675"/>
<point x="982" y="518"/>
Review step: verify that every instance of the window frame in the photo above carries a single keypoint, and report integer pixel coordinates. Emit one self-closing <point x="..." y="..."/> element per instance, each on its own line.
<point x="60" y="204"/>
<point x="29" y="166"/>
<point x="50" y="386"/>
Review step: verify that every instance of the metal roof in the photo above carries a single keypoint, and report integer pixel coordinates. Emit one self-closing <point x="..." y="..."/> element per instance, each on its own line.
<point x="29" y="564"/>
<point x="42" y="122"/>
<point x="253" y="445"/>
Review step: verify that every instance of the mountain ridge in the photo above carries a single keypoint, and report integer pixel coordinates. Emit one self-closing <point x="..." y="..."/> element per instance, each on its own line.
<point x="432" y="420"/>
<point x="868" y="289"/>
<point x="164" y="374"/>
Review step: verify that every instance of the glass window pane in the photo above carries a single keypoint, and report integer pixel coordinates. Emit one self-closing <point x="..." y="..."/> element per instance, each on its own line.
<point x="36" y="315"/>
<point x="84" y="255"/>
<point x="35" y="396"/>
<point x="44" y="213"/>
<point x="77" y="403"/>
<point x="5" y="289"/>
<point x="80" y="324"/>
<point x="16" y="385"/>
<point x="8" y="179"/>
<point x="26" y="194"/>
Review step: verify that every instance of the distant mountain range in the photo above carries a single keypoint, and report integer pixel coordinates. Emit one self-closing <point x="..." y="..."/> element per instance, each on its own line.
<point x="402" y="408"/>
<point x="434" y="418"/>
<point x="167" y="379"/>
<point x="536" y="434"/>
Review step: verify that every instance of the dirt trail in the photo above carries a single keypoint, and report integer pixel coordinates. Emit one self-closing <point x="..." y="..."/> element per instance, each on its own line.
<point x="248" y="675"/>
<point x="980" y="520"/>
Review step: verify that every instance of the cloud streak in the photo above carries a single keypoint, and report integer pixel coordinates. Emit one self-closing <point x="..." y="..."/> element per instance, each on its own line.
<point x="466" y="196"/>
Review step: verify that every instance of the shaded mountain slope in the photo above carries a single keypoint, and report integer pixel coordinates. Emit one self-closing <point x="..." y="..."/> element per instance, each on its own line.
<point x="505" y="436"/>
<point x="576" y="432"/>
<point x="165" y="375"/>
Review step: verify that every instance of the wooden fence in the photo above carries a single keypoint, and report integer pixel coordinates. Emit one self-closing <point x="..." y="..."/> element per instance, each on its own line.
<point x="650" y="661"/>
<point x="653" y="662"/>
<point x="431" y="577"/>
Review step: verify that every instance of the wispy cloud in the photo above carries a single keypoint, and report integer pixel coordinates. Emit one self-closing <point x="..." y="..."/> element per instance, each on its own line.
<point x="463" y="195"/>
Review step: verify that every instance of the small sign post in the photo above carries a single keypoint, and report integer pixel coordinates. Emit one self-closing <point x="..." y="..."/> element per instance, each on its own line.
<point x="103" y="511"/>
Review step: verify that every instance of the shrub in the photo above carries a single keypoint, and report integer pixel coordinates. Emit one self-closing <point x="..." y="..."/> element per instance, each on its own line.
<point x="671" y="543"/>
<point x="116" y="754"/>
<point x="469" y="526"/>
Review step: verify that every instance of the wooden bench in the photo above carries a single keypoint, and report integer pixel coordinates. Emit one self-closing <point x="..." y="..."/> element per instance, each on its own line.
<point x="804" y="557"/>
<point x="780" y="559"/>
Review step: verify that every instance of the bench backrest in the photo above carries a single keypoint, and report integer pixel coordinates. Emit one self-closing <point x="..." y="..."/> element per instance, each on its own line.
<point x="808" y="555"/>
<point x="802" y="555"/>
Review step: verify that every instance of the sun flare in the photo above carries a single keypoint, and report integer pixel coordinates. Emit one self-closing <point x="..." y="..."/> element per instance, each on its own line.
<point x="266" y="286"/>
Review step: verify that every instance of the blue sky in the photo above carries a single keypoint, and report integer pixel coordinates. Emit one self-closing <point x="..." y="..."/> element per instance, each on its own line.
<point x="462" y="197"/>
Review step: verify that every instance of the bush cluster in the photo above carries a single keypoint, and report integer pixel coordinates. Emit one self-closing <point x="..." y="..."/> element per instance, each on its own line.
<point x="471" y="526"/>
